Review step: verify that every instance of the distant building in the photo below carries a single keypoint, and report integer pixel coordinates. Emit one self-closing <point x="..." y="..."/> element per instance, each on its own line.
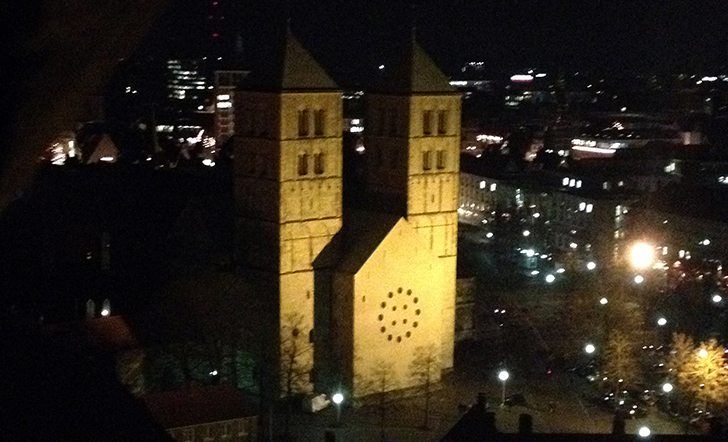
<point x="225" y="84"/>
<point x="204" y="414"/>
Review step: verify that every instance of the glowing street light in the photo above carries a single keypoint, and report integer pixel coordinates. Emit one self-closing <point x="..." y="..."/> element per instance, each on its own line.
<point x="589" y="348"/>
<point x="603" y="301"/>
<point x="550" y="278"/>
<point x="526" y="232"/>
<point x="105" y="312"/>
<point x="503" y="375"/>
<point x="667" y="387"/>
<point x="642" y="255"/>
<point x="639" y="279"/>
<point x="717" y="298"/>
<point x="591" y="265"/>
<point x="703" y="353"/>
<point x="338" y="398"/>
<point x="661" y="322"/>
<point x="644" y="432"/>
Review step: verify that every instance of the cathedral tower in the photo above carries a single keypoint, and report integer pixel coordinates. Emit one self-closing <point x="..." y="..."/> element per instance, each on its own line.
<point x="413" y="138"/>
<point x="288" y="186"/>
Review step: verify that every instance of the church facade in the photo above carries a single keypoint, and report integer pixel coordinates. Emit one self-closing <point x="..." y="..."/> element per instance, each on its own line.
<point x="351" y="292"/>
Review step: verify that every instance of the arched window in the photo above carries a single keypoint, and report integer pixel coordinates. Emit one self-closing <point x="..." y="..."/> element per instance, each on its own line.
<point x="302" y="164"/>
<point x="441" y="159"/>
<point x="442" y="122"/>
<point x="426" y="160"/>
<point x="427" y="122"/>
<point x="319" y="122"/>
<point x="303" y="118"/>
<point x="318" y="163"/>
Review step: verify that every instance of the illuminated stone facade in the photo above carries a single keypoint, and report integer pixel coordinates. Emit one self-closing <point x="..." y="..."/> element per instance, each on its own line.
<point x="366" y="287"/>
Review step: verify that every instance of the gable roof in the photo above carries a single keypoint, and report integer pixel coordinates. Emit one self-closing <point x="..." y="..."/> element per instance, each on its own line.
<point x="415" y="72"/>
<point x="351" y="247"/>
<point x="288" y="66"/>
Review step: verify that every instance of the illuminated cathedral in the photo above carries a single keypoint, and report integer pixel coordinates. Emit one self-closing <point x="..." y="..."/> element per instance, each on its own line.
<point x="361" y="288"/>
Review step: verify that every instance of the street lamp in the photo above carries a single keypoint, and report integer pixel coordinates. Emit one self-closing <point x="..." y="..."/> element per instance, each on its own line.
<point x="667" y="387"/>
<point x="338" y="398"/>
<point x="639" y="279"/>
<point x="717" y="298"/>
<point x="550" y="278"/>
<point x="603" y="301"/>
<point x="661" y="322"/>
<point x="642" y="255"/>
<point x="503" y="376"/>
<point x="703" y="353"/>
<point x="591" y="265"/>
<point x="589" y="348"/>
<point x="644" y="432"/>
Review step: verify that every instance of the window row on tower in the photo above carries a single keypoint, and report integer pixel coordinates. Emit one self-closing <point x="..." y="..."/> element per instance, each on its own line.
<point x="429" y="125"/>
<point x="440" y="159"/>
<point x="304" y="122"/>
<point x="304" y="160"/>
<point x="387" y="122"/>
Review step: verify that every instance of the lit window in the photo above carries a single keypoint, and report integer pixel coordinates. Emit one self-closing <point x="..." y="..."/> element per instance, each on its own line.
<point x="589" y="208"/>
<point x="482" y="184"/>
<point x="582" y="206"/>
<point x="426" y="160"/>
<point x="441" y="159"/>
<point x="303" y="123"/>
<point x="319" y="120"/>
<point x="442" y="122"/>
<point x="492" y="187"/>
<point x="303" y="164"/>
<point x="572" y="182"/>
<point x="427" y="122"/>
<point x="565" y="182"/>
<point x="578" y="184"/>
<point x="318" y="163"/>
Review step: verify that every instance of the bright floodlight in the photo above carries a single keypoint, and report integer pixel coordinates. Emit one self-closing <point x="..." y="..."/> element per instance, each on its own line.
<point x="337" y="398"/>
<point x="603" y="301"/>
<point x="589" y="348"/>
<point x="644" y="432"/>
<point x="703" y="353"/>
<point x="661" y="321"/>
<point x="639" y="279"/>
<point x="503" y="375"/>
<point x="591" y="265"/>
<point x="550" y="278"/>
<point x="642" y="255"/>
<point x="667" y="387"/>
<point x="717" y="298"/>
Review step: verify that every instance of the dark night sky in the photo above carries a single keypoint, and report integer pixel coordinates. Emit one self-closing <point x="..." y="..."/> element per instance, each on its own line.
<point x="351" y="37"/>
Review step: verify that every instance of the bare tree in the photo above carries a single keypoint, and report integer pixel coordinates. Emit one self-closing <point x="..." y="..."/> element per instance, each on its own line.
<point x="296" y="362"/>
<point x="425" y="370"/>
<point x="378" y="386"/>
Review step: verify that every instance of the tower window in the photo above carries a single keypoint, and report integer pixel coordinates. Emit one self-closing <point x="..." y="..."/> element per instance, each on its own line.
<point x="427" y="122"/>
<point x="319" y="122"/>
<point x="442" y="122"/>
<point x="426" y="160"/>
<point x="318" y="163"/>
<point x="303" y="164"/>
<point x="441" y="159"/>
<point x="303" y="118"/>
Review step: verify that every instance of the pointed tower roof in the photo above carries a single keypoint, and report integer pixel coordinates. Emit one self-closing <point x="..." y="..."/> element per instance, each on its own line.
<point x="415" y="72"/>
<point x="288" y="66"/>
